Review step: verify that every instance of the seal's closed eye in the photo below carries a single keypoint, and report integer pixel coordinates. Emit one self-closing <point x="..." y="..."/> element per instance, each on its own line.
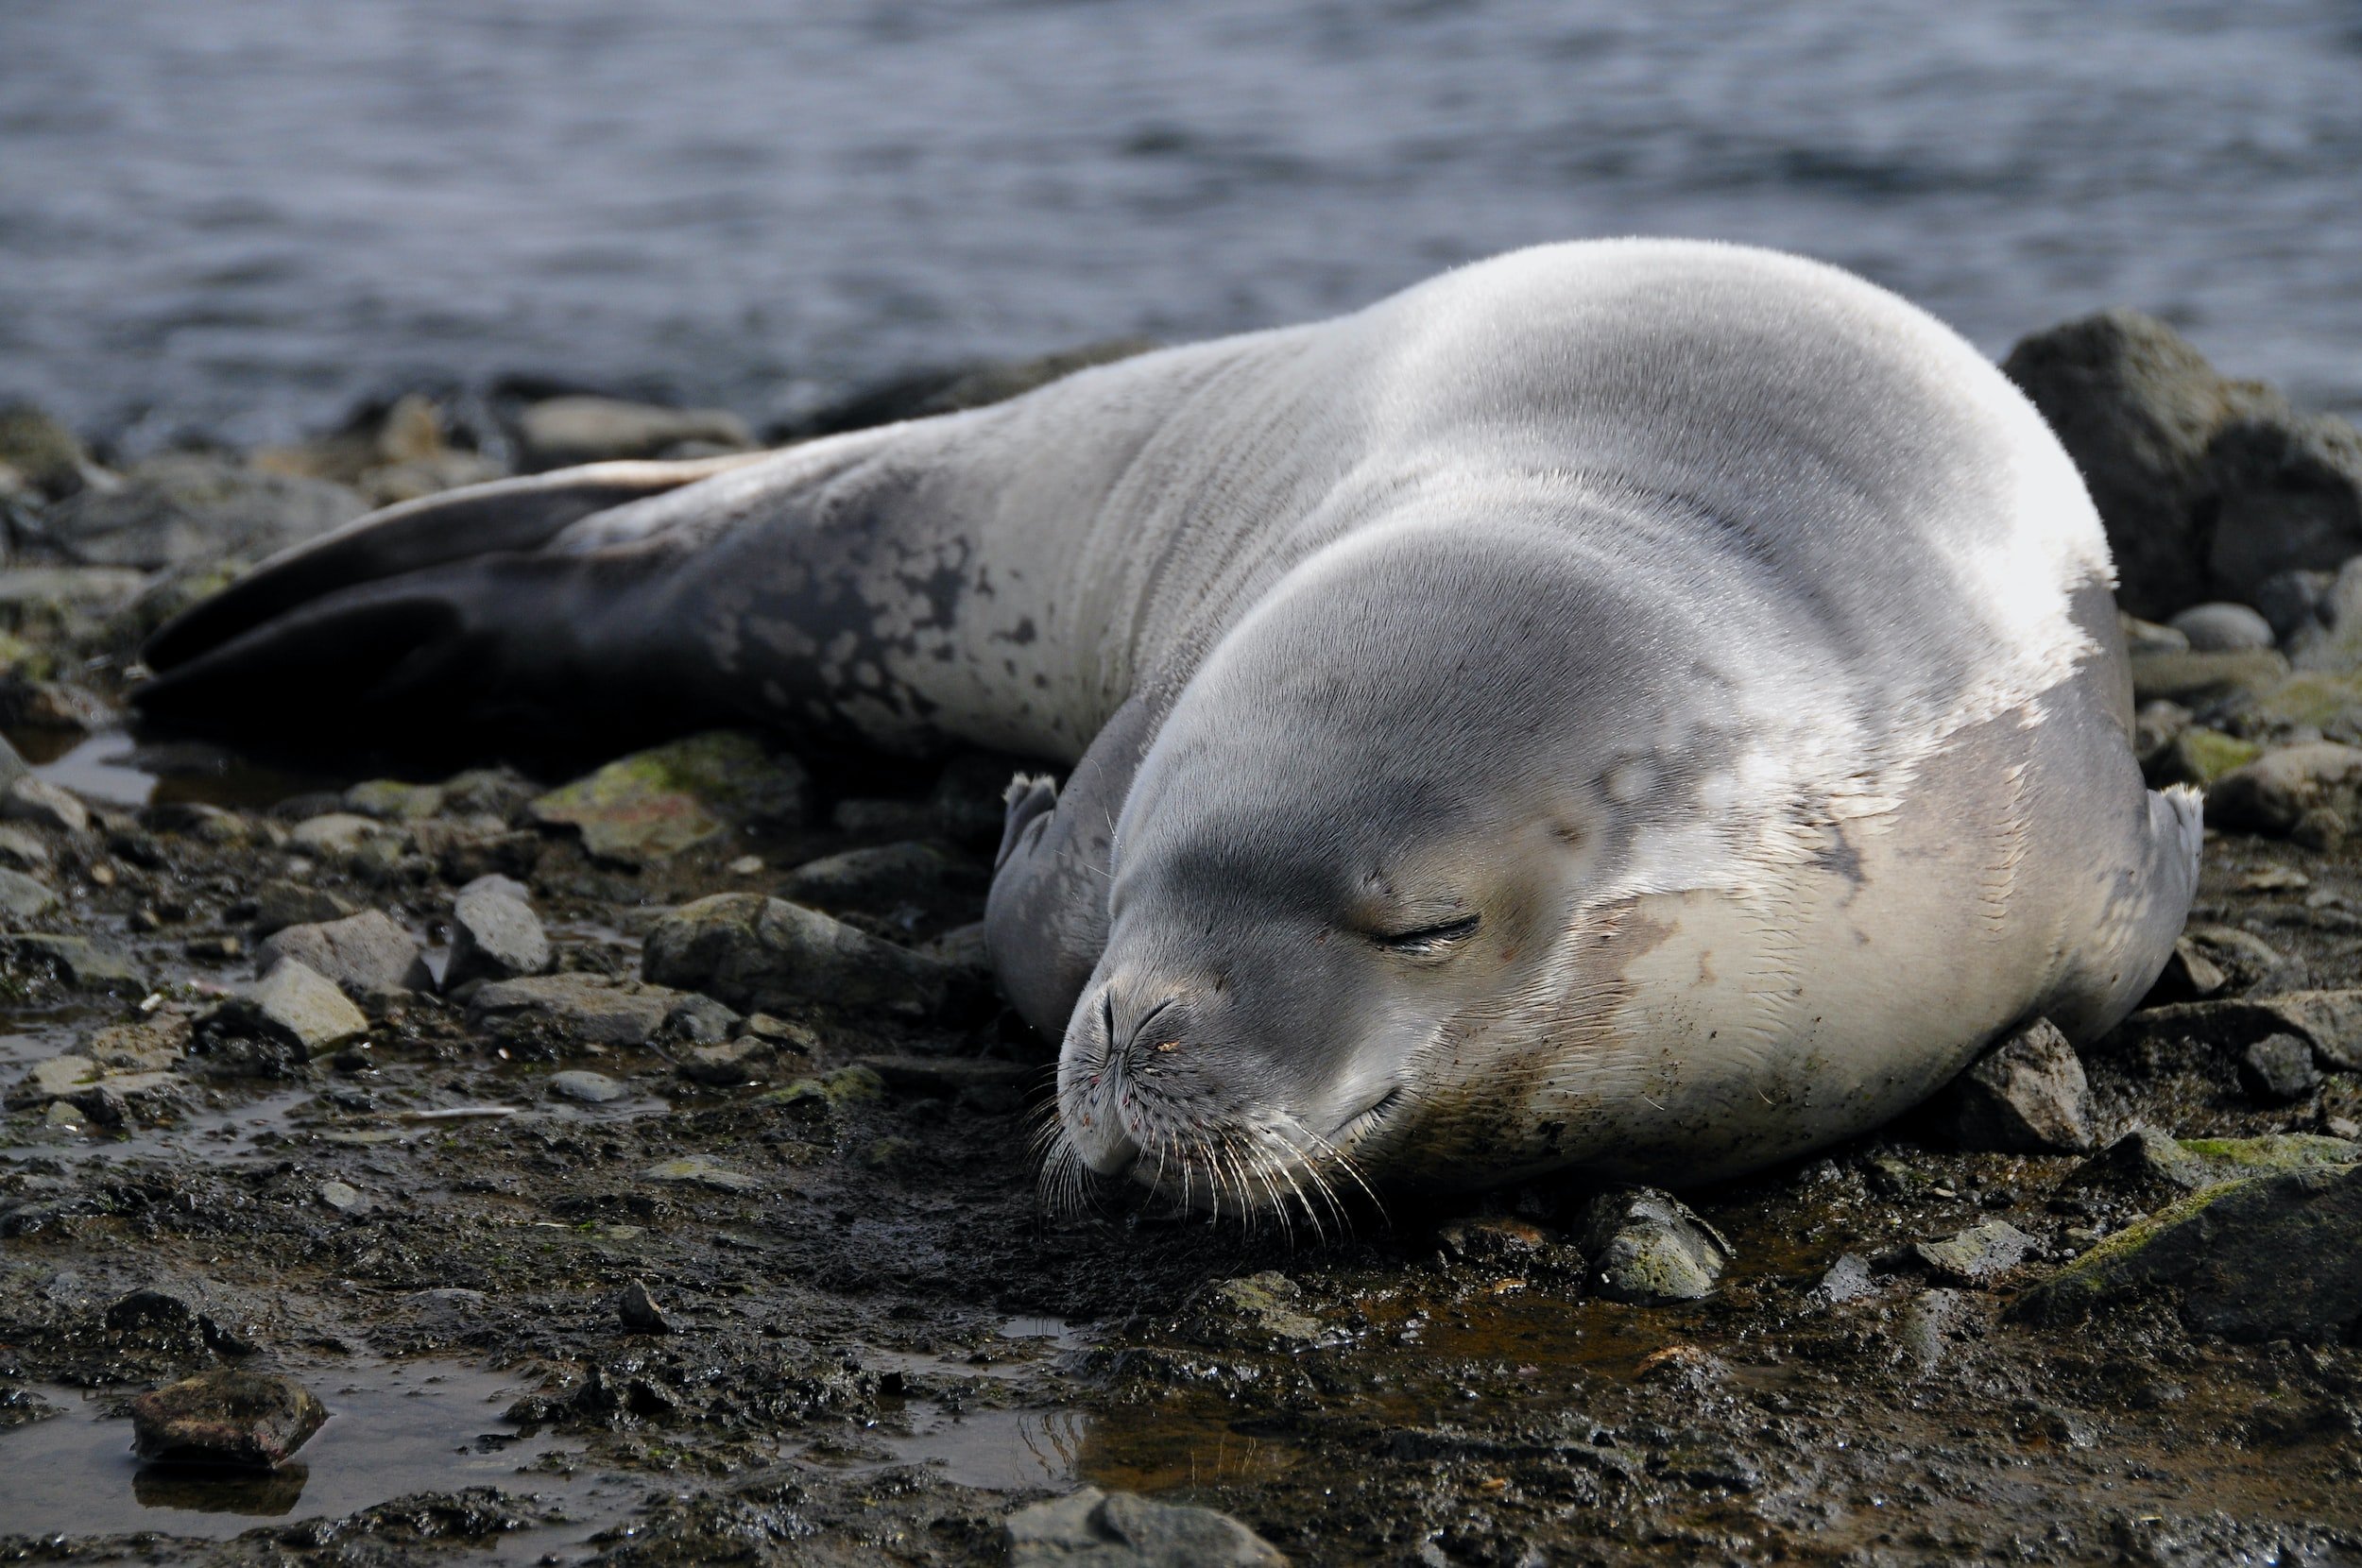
<point x="1429" y="940"/>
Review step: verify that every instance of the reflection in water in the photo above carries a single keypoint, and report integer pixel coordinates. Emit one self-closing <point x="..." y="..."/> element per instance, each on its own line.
<point x="199" y="1489"/>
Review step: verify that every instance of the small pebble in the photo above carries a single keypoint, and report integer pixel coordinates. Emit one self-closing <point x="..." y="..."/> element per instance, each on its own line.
<point x="591" y="1088"/>
<point x="340" y="1196"/>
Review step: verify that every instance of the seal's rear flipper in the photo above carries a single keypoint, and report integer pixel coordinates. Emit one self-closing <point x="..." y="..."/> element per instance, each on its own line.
<point x="445" y="613"/>
<point x="507" y="515"/>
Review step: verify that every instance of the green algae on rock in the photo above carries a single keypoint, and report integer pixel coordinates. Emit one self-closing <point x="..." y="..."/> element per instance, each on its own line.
<point x="2267" y="1257"/>
<point x="654" y="804"/>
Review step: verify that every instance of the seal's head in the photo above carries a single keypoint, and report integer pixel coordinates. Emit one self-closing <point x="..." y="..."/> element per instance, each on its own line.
<point x="1355" y="876"/>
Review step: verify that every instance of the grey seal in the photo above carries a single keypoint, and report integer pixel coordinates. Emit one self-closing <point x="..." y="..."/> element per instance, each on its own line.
<point x="1645" y="706"/>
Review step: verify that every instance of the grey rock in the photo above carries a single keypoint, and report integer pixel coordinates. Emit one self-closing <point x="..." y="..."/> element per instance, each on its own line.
<point x="1848" y="1279"/>
<point x="2208" y="487"/>
<point x="2329" y="1020"/>
<point x="701" y="1020"/>
<point x="559" y="433"/>
<point x="731" y="1063"/>
<point x="2148" y="637"/>
<point x="1978" y="1255"/>
<point x="225" y="1417"/>
<point x="341" y="1195"/>
<point x="588" y="1088"/>
<point x="2291" y="603"/>
<point x="495" y="882"/>
<point x="2279" y="1069"/>
<point x="654" y="804"/>
<point x="336" y="835"/>
<point x="2190" y="975"/>
<point x="186" y="508"/>
<point x="22" y="897"/>
<point x="362" y="953"/>
<point x="2272" y="793"/>
<point x="2137" y="408"/>
<point x="2144" y="1164"/>
<point x="1091" y="1528"/>
<point x="494" y="936"/>
<point x="393" y="800"/>
<point x="2287" y="494"/>
<point x="2026" y="1095"/>
<point x="757" y="954"/>
<point x="281" y="903"/>
<point x="2277" y="1256"/>
<point x="587" y="1009"/>
<point x="44" y="805"/>
<point x="2223" y="628"/>
<point x="292" y="1005"/>
<point x="638" y="1311"/>
<point x="50" y="456"/>
<point x="1645" y="1246"/>
<point x="74" y="961"/>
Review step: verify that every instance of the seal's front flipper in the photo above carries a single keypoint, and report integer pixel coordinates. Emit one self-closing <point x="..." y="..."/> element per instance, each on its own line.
<point x="1046" y="921"/>
<point x="506" y="516"/>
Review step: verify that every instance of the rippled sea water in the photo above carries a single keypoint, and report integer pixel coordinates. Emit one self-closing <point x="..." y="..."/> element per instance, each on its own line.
<point x="235" y="218"/>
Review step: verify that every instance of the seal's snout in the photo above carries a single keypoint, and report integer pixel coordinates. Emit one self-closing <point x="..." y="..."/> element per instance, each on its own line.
<point x="1124" y="1082"/>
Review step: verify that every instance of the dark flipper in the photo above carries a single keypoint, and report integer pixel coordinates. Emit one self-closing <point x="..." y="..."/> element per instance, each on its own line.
<point x="439" y="621"/>
<point x="508" y="515"/>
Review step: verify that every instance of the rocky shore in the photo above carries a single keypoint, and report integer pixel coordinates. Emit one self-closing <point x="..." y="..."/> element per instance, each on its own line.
<point x="630" y="1164"/>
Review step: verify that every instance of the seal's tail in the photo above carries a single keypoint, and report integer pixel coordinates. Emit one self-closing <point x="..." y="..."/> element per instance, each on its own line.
<point x="446" y="609"/>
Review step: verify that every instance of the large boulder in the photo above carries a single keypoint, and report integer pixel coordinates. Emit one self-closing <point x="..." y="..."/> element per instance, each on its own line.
<point x="2276" y="1256"/>
<point x="189" y="507"/>
<point x="2207" y="486"/>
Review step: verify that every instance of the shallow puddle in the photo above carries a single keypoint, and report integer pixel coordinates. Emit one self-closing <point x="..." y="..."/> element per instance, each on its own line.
<point x="114" y="768"/>
<point x="394" y="1428"/>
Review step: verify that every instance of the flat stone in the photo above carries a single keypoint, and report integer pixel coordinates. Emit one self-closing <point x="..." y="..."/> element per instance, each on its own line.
<point x="2329" y="1020"/>
<point x="1978" y="1255"/>
<point x="2273" y="793"/>
<point x="294" y="1005"/>
<point x="494" y="936"/>
<point x="281" y="903"/>
<point x="1091" y="1528"/>
<point x="391" y="800"/>
<point x="2222" y="627"/>
<point x="341" y="1195"/>
<point x="336" y="835"/>
<point x="587" y="1008"/>
<point x="559" y="433"/>
<point x="22" y="897"/>
<point x="75" y="962"/>
<point x="2026" y="1095"/>
<point x="2279" y="1069"/>
<point x="654" y="804"/>
<point x="2277" y="1256"/>
<point x="886" y="873"/>
<point x="702" y="1171"/>
<point x="44" y="805"/>
<point x="1847" y="1279"/>
<point x="55" y="1079"/>
<point x="1645" y="1246"/>
<point x="363" y="953"/>
<point x="2199" y="755"/>
<point x="757" y="954"/>
<point x="589" y="1089"/>
<point x="2190" y="975"/>
<point x="23" y="848"/>
<point x="495" y="882"/>
<point x="2205" y="680"/>
<point x="225" y="1417"/>
<point x="728" y="1063"/>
